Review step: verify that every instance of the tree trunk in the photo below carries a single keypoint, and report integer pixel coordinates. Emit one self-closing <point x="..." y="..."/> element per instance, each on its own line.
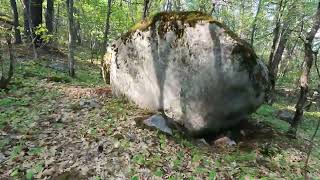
<point x="4" y="81"/>
<point x="36" y="19"/>
<point x="274" y="49"/>
<point x="107" y="27"/>
<point x="57" y="18"/>
<point x="78" y="32"/>
<point x="307" y="64"/>
<point x="72" y="37"/>
<point x="145" y="9"/>
<point x="29" y="31"/>
<point x="77" y="27"/>
<point x="213" y="9"/>
<point x="168" y="6"/>
<point x="106" y="33"/>
<point x="177" y="5"/>
<point x="26" y="14"/>
<point x="254" y="24"/>
<point x="50" y="15"/>
<point x="17" y="34"/>
<point x="276" y="59"/>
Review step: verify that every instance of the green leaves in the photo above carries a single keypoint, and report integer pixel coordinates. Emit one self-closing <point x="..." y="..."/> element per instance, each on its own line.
<point x="139" y="159"/>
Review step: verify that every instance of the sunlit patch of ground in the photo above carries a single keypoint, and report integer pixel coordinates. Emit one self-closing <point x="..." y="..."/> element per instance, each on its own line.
<point x="55" y="126"/>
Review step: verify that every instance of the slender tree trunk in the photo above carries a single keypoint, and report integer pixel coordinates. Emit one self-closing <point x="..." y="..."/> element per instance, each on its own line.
<point x="36" y="19"/>
<point x="177" y="5"/>
<point x="77" y="27"/>
<point x="145" y="9"/>
<point x="168" y="6"/>
<point x="276" y="59"/>
<point x="17" y="35"/>
<point x="107" y="27"/>
<point x="213" y="9"/>
<point x="78" y="32"/>
<point x="310" y="149"/>
<point x="254" y="24"/>
<point x="290" y="52"/>
<point x="307" y="64"/>
<point x="57" y="19"/>
<point x="26" y="14"/>
<point x="72" y="37"/>
<point x="49" y="15"/>
<point x="105" y="40"/>
<point x="4" y="81"/>
<point x="26" y="9"/>
<point x="274" y="49"/>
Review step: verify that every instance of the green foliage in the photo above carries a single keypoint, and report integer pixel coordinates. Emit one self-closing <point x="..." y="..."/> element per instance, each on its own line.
<point x="42" y="31"/>
<point x="139" y="159"/>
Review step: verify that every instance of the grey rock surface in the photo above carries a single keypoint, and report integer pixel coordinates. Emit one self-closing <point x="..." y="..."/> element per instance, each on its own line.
<point x="158" y="122"/>
<point x="285" y="115"/>
<point x="89" y="103"/>
<point x="191" y="67"/>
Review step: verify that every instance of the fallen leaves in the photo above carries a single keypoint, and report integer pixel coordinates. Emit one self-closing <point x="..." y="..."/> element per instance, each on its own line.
<point x="80" y="132"/>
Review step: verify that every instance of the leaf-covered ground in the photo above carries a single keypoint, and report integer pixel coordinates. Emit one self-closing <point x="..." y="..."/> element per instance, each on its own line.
<point x="52" y="126"/>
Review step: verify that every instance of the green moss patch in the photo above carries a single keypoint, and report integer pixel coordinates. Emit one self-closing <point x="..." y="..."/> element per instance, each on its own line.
<point x="169" y="21"/>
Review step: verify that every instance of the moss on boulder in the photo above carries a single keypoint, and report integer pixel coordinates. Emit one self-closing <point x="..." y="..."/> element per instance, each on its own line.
<point x="169" y="21"/>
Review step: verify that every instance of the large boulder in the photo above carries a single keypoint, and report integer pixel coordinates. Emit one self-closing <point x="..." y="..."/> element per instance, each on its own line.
<point x="190" y="66"/>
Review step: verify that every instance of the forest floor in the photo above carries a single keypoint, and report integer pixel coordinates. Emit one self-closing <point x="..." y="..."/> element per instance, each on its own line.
<point x="56" y="127"/>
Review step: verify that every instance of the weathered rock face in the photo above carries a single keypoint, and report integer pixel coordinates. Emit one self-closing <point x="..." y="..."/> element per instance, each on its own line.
<point x="192" y="67"/>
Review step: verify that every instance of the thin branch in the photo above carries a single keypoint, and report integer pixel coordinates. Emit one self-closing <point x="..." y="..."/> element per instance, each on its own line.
<point x="315" y="63"/>
<point x="311" y="147"/>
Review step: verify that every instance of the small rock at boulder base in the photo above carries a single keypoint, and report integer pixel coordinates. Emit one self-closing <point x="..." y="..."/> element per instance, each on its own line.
<point x="285" y="115"/>
<point x="89" y="103"/>
<point x="192" y="67"/>
<point x="159" y="123"/>
<point x="224" y="141"/>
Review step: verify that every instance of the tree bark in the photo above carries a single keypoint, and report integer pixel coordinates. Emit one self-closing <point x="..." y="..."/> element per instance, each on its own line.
<point x="4" y="81"/>
<point x="17" y="35"/>
<point x="35" y="8"/>
<point x="106" y="34"/>
<point x="275" y="53"/>
<point x="177" y="5"/>
<point x="307" y="64"/>
<point x="107" y="27"/>
<point x="77" y="27"/>
<point x="49" y="16"/>
<point x="72" y="37"/>
<point x="57" y="18"/>
<point x="29" y="31"/>
<point x="26" y="14"/>
<point x="168" y="6"/>
<point x="254" y="24"/>
<point x="145" y="9"/>
<point x="213" y="9"/>
<point x="276" y="59"/>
